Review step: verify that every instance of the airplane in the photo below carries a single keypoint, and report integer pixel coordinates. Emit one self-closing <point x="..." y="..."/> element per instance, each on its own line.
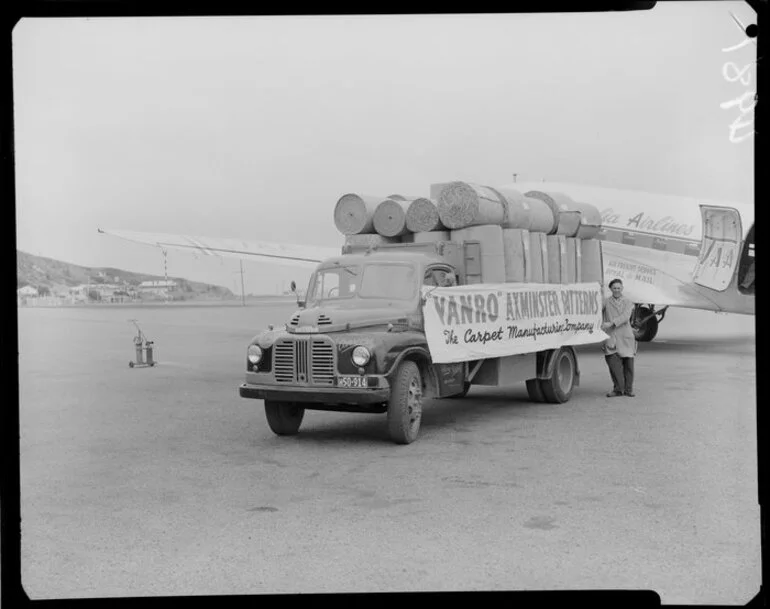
<point x="669" y="251"/>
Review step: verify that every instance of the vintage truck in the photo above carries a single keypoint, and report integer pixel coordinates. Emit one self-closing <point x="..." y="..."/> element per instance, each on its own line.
<point x="358" y="343"/>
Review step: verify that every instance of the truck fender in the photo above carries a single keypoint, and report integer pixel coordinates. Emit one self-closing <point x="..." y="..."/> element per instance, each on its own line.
<point x="546" y="360"/>
<point x="422" y="358"/>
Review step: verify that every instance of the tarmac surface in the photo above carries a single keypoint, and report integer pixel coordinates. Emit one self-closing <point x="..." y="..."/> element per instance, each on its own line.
<point x="163" y="481"/>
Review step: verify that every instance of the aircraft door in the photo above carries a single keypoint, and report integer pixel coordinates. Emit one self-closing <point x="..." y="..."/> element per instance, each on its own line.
<point x="720" y="248"/>
<point x="746" y="277"/>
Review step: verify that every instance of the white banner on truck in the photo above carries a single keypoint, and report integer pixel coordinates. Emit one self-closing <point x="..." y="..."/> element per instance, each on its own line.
<point x="493" y="320"/>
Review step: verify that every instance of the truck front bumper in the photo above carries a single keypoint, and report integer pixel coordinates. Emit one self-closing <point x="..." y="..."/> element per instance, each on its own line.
<point x="319" y="398"/>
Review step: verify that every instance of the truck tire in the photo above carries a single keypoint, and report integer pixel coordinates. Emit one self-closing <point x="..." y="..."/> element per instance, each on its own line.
<point x="405" y="404"/>
<point x="645" y="332"/>
<point x="463" y="393"/>
<point x="535" y="390"/>
<point x="284" y="418"/>
<point x="558" y="388"/>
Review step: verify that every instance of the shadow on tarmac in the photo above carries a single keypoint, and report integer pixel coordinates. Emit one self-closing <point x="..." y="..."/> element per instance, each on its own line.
<point x="444" y="414"/>
<point x="704" y="345"/>
<point x="359" y="428"/>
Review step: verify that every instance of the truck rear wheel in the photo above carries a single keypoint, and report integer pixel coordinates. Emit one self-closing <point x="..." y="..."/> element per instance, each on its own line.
<point x="284" y="418"/>
<point x="405" y="404"/>
<point x="535" y="390"/>
<point x="558" y="388"/>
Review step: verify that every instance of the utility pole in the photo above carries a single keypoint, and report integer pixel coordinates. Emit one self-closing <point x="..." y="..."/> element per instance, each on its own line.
<point x="243" y="292"/>
<point x="165" y="271"/>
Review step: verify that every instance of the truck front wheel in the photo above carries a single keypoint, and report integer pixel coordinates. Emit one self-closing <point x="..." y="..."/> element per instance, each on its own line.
<point x="558" y="388"/>
<point x="405" y="404"/>
<point x="284" y="418"/>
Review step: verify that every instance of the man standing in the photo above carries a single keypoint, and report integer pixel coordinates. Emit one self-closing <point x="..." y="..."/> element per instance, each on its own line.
<point x="620" y="348"/>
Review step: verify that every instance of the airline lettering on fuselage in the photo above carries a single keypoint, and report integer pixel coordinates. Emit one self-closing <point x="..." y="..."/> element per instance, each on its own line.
<point x="642" y="221"/>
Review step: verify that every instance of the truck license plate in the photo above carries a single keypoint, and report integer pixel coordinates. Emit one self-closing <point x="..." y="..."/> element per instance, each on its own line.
<point x="351" y="381"/>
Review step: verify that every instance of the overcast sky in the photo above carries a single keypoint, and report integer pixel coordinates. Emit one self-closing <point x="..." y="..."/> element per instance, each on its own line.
<point x="253" y="127"/>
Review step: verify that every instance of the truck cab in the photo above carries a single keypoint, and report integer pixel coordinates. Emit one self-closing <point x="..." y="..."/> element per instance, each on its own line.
<point x="357" y="342"/>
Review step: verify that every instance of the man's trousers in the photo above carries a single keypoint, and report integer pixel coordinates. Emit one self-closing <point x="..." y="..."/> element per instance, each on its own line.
<point x="622" y="373"/>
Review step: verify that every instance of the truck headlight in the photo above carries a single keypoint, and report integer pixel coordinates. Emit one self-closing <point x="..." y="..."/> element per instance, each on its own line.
<point x="361" y="356"/>
<point x="254" y="354"/>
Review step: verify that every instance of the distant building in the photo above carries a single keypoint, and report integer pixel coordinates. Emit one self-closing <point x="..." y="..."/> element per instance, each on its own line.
<point x="157" y="288"/>
<point x="27" y="290"/>
<point x="25" y="294"/>
<point x="79" y="293"/>
<point x="106" y="293"/>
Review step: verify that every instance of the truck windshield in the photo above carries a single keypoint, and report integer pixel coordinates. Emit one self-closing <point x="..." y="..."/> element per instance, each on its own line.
<point x="380" y="280"/>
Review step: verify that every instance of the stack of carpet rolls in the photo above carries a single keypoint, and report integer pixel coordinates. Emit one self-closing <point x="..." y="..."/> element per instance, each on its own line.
<point x="538" y="236"/>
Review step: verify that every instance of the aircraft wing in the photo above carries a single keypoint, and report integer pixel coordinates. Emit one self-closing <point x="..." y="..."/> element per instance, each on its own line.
<point x="304" y="256"/>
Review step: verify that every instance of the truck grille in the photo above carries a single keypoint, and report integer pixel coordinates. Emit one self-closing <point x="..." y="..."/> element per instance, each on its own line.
<point x="304" y="361"/>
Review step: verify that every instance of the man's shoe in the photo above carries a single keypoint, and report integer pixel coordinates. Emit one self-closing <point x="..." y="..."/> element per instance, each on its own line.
<point x="614" y="394"/>
<point x="630" y="394"/>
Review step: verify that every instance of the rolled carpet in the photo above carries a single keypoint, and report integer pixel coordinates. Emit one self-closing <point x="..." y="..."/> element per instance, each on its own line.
<point x="354" y="214"/>
<point x="516" y="249"/>
<point x="462" y="204"/>
<point x="571" y="268"/>
<point x="563" y="208"/>
<point x="590" y="220"/>
<point x="518" y="212"/>
<point x="541" y="216"/>
<point x="422" y="216"/>
<point x="557" y="258"/>
<point x="591" y="260"/>
<point x="390" y="218"/>
<point x="435" y="190"/>
<point x="538" y="256"/>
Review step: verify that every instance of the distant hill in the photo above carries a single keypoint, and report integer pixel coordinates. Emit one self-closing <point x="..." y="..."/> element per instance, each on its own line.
<point x="56" y="277"/>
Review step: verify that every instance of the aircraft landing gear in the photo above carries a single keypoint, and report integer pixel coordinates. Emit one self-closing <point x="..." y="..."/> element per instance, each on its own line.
<point x="645" y="320"/>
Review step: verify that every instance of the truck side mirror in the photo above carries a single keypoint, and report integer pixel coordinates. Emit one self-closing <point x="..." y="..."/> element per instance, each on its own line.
<point x="300" y="297"/>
